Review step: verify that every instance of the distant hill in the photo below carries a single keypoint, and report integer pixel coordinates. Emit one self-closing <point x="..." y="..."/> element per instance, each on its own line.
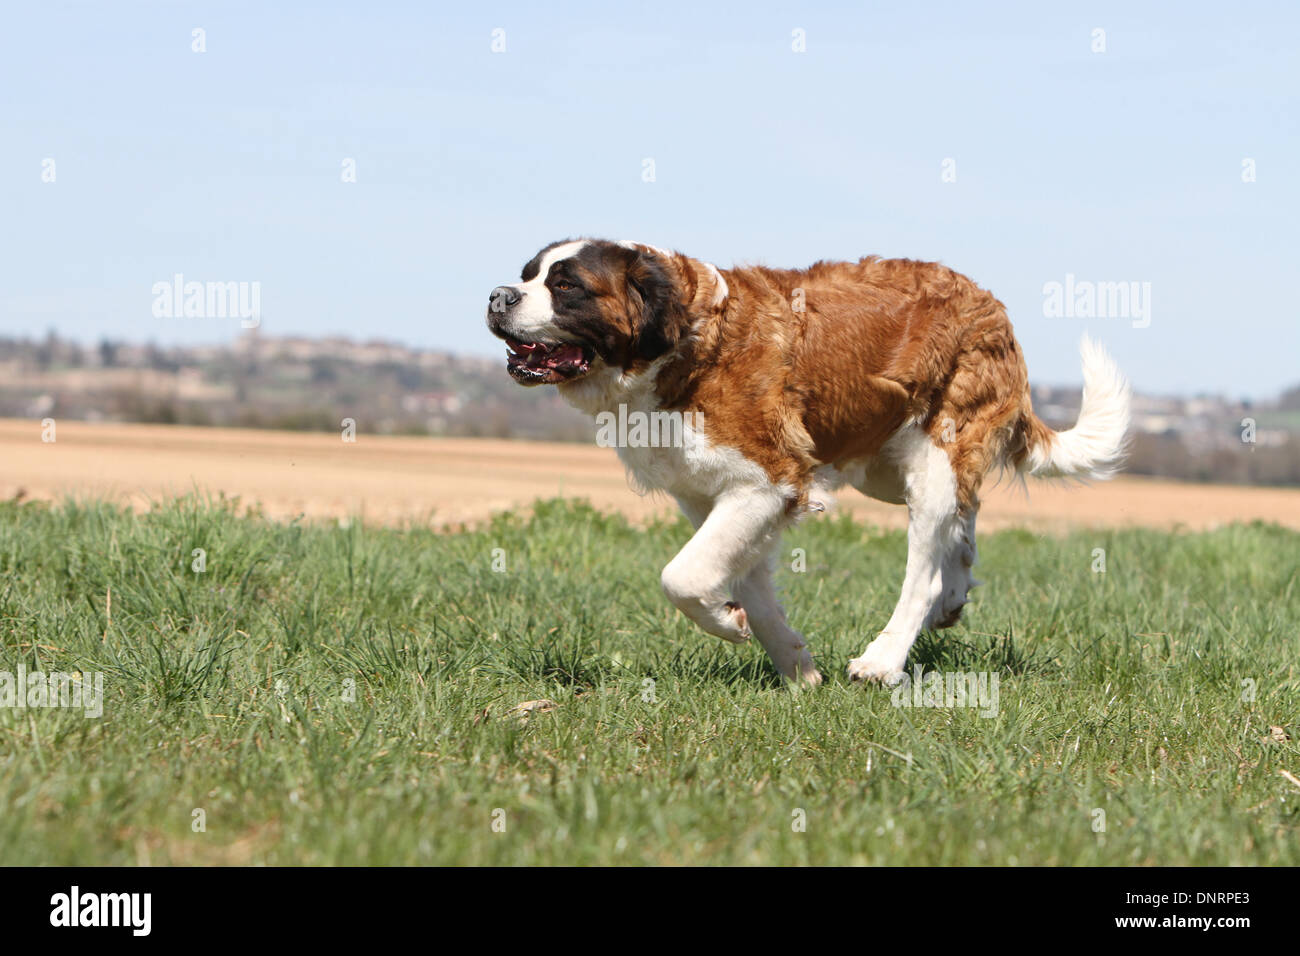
<point x="313" y="384"/>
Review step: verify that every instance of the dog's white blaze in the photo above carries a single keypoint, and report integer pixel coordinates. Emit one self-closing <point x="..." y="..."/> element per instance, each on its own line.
<point x="534" y="316"/>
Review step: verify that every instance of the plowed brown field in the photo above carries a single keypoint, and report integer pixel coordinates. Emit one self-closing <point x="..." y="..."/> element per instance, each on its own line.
<point x="396" y="480"/>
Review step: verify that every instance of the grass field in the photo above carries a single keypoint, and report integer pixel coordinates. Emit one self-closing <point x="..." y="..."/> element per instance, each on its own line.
<point x="1150" y="692"/>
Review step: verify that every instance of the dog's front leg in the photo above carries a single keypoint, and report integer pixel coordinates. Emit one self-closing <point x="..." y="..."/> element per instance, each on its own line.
<point x="785" y="645"/>
<point x="731" y="538"/>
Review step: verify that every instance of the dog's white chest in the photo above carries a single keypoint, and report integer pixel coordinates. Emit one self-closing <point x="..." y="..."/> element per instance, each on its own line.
<point x="681" y="466"/>
<point x="662" y="450"/>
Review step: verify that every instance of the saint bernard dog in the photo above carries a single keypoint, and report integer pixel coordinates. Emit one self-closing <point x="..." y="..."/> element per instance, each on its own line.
<point x="900" y="378"/>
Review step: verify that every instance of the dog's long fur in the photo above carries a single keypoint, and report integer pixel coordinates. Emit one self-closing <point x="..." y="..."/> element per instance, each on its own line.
<point x="901" y="378"/>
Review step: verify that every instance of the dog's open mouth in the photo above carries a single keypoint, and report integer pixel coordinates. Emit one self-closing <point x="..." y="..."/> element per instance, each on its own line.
<point x="537" y="363"/>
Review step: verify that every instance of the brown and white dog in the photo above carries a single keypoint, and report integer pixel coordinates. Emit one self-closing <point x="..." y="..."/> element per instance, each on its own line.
<point x="900" y="378"/>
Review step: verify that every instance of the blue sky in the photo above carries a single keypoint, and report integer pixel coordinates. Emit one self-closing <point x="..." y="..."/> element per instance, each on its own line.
<point x="225" y="166"/>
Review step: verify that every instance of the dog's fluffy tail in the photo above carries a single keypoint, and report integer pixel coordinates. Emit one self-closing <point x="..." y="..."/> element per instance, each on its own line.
<point x="1095" y="446"/>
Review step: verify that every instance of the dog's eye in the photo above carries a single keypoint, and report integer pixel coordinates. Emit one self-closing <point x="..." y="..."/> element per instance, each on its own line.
<point x="563" y="285"/>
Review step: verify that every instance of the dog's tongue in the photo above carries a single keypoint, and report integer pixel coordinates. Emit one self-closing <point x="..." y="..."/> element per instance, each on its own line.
<point x="537" y="355"/>
<point x="564" y="355"/>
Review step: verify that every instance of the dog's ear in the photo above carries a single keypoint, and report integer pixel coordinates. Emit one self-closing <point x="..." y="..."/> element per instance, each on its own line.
<point x="658" y="315"/>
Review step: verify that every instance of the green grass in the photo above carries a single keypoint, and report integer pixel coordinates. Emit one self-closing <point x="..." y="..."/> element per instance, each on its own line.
<point x="225" y="691"/>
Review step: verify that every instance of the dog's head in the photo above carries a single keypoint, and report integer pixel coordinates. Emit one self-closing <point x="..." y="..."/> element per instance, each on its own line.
<point x="586" y="305"/>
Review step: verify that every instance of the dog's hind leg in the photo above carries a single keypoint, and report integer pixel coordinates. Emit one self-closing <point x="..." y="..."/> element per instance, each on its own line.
<point x="956" y="576"/>
<point x="935" y="530"/>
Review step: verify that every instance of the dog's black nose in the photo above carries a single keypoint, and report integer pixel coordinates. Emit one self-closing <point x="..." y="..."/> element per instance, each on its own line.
<point x="502" y="297"/>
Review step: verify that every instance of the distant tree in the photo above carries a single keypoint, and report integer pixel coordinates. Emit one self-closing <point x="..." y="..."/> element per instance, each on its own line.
<point x="107" y="353"/>
<point x="45" y="351"/>
<point x="323" y="371"/>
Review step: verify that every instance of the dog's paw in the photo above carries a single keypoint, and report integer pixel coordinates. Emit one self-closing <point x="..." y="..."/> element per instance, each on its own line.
<point x="876" y="669"/>
<point x="808" y="678"/>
